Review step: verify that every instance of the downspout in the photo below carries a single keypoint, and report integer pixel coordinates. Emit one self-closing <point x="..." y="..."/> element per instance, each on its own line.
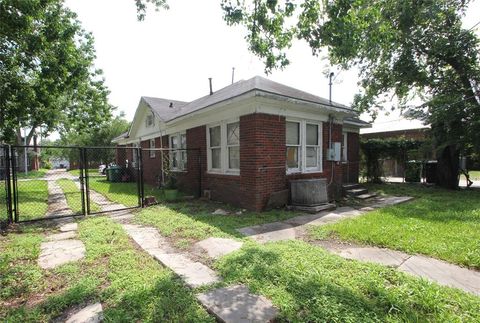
<point x="330" y="119"/>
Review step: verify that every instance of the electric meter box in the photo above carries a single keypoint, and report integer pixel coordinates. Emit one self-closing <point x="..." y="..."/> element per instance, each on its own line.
<point x="335" y="152"/>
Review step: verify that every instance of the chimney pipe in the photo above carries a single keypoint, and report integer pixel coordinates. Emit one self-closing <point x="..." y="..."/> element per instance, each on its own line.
<point x="210" y="81"/>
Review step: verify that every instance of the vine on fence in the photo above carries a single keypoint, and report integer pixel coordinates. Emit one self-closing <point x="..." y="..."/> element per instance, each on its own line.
<point x="374" y="150"/>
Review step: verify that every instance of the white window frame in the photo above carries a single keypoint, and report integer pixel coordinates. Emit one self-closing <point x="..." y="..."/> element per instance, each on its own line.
<point x="303" y="147"/>
<point x="345" y="147"/>
<point x="150" y="117"/>
<point x="299" y="147"/>
<point x="151" y="145"/>
<point x="223" y="149"/>
<point x="135" y="145"/>
<point x="178" y="153"/>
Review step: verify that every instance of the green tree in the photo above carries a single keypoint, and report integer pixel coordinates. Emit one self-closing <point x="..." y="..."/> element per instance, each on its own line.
<point x="47" y="74"/>
<point x="406" y="49"/>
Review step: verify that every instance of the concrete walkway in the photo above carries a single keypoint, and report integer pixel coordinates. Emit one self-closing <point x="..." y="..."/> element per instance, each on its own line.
<point x="296" y="228"/>
<point x="232" y="304"/>
<point x="61" y="248"/>
<point x="432" y="269"/>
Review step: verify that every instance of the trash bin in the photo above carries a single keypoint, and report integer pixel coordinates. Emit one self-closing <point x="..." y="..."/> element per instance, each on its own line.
<point x="431" y="171"/>
<point x="114" y="174"/>
<point x="413" y="170"/>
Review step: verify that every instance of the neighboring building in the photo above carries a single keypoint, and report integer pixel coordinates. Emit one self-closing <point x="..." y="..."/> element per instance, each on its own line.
<point x="414" y="130"/>
<point x="245" y="141"/>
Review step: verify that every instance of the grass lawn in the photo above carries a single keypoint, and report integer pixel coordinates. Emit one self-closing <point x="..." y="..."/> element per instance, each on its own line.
<point x="32" y="174"/>
<point x="120" y="192"/>
<point x="91" y="172"/>
<point x="32" y="199"/>
<point x="131" y="285"/>
<point x="74" y="196"/>
<point x="439" y="223"/>
<point x="474" y="176"/>
<point x="191" y="221"/>
<point x="311" y="285"/>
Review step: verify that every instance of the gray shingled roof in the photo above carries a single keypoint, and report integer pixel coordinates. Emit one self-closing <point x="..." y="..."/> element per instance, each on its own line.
<point x="165" y="113"/>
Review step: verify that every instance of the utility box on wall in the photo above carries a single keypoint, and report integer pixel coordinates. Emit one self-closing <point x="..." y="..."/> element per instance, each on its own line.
<point x="335" y="152"/>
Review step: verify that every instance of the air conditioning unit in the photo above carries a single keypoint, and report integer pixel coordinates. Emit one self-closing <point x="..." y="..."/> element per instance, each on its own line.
<point x="335" y="152"/>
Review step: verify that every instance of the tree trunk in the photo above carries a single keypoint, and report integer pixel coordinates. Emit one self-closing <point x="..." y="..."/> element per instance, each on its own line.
<point x="447" y="167"/>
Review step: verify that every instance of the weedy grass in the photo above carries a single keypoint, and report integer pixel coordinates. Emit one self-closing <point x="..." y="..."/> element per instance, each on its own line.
<point x="440" y="223"/>
<point x="131" y="285"/>
<point x="309" y="284"/>
<point x="193" y="220"/>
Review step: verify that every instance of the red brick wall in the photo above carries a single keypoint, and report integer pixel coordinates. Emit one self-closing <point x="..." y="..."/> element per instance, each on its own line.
<point x="152" y="167"/>
<point x="262" y="158"/>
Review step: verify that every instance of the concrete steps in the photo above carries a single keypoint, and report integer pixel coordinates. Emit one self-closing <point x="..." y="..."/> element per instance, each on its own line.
<point x="357" y="191"/>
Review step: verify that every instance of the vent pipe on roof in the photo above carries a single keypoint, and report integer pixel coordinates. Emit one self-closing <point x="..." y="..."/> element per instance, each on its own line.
<point x="170" y="105"/>
<point x="210" y="81"/>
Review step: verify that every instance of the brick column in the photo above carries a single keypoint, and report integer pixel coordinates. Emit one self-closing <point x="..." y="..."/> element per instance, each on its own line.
<point x="262" y="158"/>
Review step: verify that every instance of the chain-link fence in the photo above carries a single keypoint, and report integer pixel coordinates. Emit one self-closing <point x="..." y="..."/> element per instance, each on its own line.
<point x="39" y="182"/>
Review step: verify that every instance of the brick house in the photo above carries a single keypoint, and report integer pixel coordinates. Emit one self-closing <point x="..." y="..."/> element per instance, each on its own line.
<point x="245" y="141"/>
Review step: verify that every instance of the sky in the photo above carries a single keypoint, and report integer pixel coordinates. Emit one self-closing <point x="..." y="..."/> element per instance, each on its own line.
<point x="172" y="53"/>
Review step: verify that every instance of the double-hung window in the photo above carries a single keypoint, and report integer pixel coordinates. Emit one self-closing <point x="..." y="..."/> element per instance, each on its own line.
<point x="345" y="147"/>
<point x="178" y="153"/>
<point x="223" y="145"/>
<point x="304" y="149"/>
<point x="134" y="154"/>
<point x="152" y="147"/>
<point x="293" y="146"/>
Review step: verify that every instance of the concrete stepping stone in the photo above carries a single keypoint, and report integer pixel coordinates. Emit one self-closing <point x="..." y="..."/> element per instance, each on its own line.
<point x="377" y="255"/>
<point x="148" y="238"/>
<point x="56" y="253"/>
<point x="269" y="232"/>
<point x="236" y="304"/>
<point x="443" y="273"/>
<point x="218" y="247"/>
<point x="69" y="227"/>
<point x="62" y="236"/>
<point x="194" y="274"/>
<point x="91" y="314"/>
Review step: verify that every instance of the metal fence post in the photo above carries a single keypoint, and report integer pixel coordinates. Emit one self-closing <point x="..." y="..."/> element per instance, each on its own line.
<point x="141" y="190"/>
<point x="82" y="178"/>
<point x="8" y="184"/>
<point x="87" y="188"/>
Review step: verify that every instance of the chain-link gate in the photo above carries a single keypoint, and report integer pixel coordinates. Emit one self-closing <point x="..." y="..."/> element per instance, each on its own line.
<point x="46" y="182"/>
<point x="113" y="179"/>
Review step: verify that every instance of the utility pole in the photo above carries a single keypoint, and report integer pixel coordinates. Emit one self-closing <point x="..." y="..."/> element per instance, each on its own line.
<point x="330" y="88"/>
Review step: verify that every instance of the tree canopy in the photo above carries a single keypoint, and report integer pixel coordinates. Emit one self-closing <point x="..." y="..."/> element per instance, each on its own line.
<point x="47" y="74"/>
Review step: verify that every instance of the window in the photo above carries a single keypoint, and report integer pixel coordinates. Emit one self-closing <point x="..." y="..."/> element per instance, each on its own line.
<point x="149" y="120"/>
<point x="233" y="145"/>
<point x="215" y="147"/>
<point x="312" y="146"/>
<point x="304" y="151"/>
<point x="178" y="154"/>
<point x="152" y="146"/>
<point x="293" y="145"/>
<point x="224" y="148"/>
<point x="345" y="147"/>
<point x="134" y="154"/>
